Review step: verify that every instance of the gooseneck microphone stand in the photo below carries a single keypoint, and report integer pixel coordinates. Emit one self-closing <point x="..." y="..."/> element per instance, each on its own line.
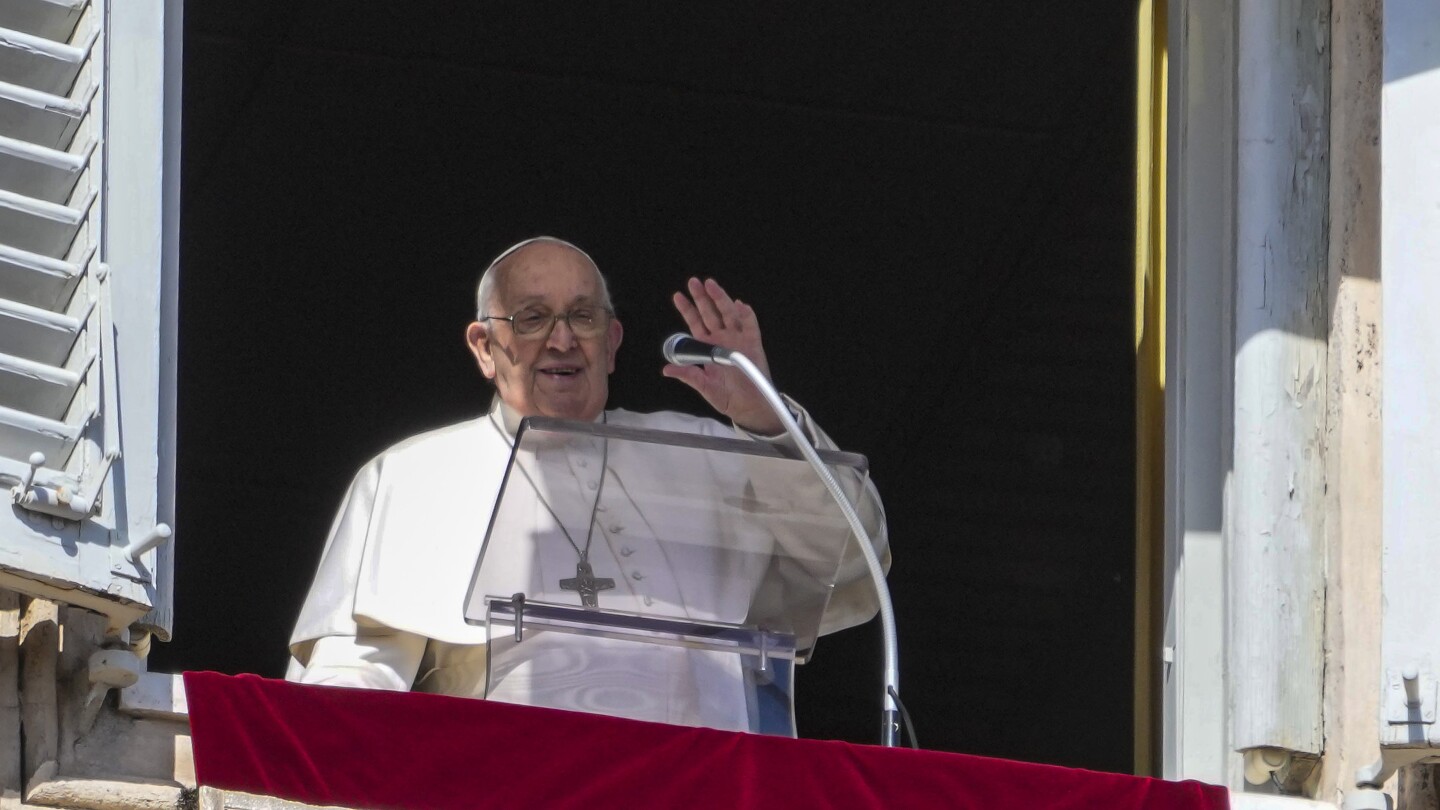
<point x="685" y="350"/>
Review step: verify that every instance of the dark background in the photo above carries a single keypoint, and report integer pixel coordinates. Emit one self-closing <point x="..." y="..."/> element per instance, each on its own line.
<point x="930" y="207"/>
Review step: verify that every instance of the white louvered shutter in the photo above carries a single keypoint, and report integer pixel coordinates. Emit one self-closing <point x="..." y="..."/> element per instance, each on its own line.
<point x="81" y="321"/>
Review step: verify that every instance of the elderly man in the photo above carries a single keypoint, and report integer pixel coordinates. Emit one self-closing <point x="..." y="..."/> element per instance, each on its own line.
<point x="385" y="608"/>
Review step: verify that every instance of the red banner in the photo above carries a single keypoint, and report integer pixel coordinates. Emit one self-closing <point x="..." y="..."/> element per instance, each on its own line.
<point x="361" y="748"/>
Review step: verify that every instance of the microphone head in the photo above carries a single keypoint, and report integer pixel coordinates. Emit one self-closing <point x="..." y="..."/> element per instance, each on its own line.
<point x="683" y="350"/>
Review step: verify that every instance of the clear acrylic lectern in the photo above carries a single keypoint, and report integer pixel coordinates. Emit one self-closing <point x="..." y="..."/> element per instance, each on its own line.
<point x="662" y="576"/>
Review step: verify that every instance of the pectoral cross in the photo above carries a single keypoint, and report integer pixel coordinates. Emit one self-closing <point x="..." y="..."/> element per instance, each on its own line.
<point x="586" y="583"/>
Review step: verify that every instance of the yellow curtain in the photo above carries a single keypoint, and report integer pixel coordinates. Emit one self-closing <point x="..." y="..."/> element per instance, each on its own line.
<point x="1150" y="98"/>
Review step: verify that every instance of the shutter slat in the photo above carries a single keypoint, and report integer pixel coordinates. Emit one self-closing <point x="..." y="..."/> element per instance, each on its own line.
<point x="52" y="19"/>
<point x="24" y="433"/>
<point x="39" y="226"/>
<point x="38" y="388"/>
<point x="41" y="335"/>
<point x="42" y="118"/>
<point x="40" y="281"/>
<point x="41" y="172"/>
<point x="45" y="64"/>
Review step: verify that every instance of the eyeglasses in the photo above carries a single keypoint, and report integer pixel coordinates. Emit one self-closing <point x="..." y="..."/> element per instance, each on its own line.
<point x="537" y="323"/>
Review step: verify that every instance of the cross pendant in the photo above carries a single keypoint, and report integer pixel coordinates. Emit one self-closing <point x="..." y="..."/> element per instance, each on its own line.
<point x="586" y="583"/>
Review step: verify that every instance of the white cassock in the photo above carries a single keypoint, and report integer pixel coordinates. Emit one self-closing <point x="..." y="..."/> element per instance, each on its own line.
<point x="386" y="609"/>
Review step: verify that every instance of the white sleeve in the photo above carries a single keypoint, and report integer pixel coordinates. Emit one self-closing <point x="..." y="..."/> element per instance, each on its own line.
<point x="853" y="600"/>
<point x="386" y="660"/>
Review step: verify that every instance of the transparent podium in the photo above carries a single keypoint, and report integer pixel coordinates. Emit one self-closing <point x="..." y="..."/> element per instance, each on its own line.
<point x="661" y="576"/>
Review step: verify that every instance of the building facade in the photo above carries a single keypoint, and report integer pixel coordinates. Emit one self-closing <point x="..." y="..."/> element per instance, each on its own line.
<point x="1287" y="249"/>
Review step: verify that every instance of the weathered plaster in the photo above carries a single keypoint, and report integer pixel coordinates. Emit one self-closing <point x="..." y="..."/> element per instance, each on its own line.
<point x="46" y="757"/>
<point x="1352" y="428"/>
<point x="39" y="696"/>
<point x="1276" y="520"/>
<point x="10" y="782"/>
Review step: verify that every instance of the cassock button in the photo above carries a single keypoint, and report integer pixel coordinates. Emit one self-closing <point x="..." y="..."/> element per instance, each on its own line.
<point x="649" y="601"/>
<point x="616" y="528"/>
<point x="591" y="485"/>
<point x="636" y="575"/>
<point x="626" y="551"/>
<point x="602" y="508"/>
<point x="582" y="463"/>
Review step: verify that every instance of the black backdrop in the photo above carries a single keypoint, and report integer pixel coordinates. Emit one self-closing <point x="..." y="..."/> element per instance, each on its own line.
<point x="930" y="208"/>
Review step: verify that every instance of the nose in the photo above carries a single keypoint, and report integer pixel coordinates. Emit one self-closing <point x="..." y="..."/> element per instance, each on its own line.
<point x="561" y="338"/>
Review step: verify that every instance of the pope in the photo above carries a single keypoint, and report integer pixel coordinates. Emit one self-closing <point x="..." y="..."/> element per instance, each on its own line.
<point x="383" y="611"/>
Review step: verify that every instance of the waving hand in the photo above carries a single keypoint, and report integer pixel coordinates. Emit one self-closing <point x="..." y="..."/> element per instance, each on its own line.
<point x="714" y="317"/>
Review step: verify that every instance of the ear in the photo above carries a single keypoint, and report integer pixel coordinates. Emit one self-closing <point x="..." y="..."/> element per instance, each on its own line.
<point x="613" y="335"/>
<point x="477" y="337"/>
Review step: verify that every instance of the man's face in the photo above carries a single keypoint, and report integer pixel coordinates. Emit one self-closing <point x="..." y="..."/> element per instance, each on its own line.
<point x="558" y="374"/>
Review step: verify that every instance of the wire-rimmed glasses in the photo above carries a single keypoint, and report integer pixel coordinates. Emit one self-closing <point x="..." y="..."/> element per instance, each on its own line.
<point x="536" y="323"/>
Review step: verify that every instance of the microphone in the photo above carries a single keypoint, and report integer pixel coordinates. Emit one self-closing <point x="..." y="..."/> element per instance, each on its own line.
<point x="683" y="350"/>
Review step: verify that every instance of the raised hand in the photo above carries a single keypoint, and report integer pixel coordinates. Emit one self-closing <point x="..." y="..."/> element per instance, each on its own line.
<point x="714" y="317"/>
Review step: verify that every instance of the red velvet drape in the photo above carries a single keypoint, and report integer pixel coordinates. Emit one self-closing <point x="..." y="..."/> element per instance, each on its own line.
<point x="361" y="748"/>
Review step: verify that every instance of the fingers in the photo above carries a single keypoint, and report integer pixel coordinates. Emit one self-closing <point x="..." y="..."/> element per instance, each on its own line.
<point x="687" y="310"/>
<point x="745" y="317"/>
<point x="713" y="316"/>
<point x="710" y="310"/>
<point x="705" y="304"/>
<point x="692" y="376"/>
<point x="724" y="304"/>
<point x="707" y="382"/>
